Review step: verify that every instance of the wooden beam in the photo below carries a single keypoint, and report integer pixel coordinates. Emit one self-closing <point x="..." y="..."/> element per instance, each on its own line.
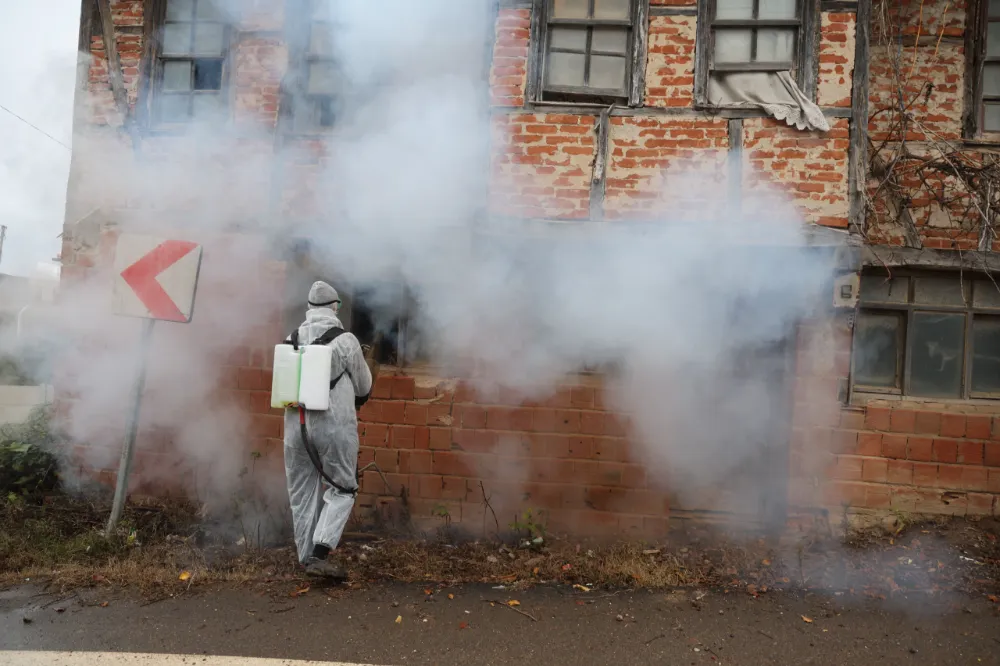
<point x="858" y="147"/>
<point x="661" y="10"/>
<point x="598" y="182"/>
<point x="735" y="163"/>
<point x="638" y="61"/>
<point x="114" y="63"/>
<point x="83" y="45"/>
<point x="901" y="257"/>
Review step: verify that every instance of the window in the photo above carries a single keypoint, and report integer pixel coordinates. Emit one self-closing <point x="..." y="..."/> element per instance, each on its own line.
<point x="190" y="73"/>
<point x="928" y="335"/>
<point x="984" y="47"/>
<point x="589" y="50"/>
<point x="739" y="36"/>
<point x="320" y="82"/>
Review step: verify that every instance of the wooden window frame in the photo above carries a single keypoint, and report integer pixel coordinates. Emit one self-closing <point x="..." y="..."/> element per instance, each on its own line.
<point x="153" y="59"/>
<point x="906" y="311"/>
<point x="805" y="61"/>
<point x="635" y="65"/>
<point x="978" y="21"/>
<point x="307" y="115"/>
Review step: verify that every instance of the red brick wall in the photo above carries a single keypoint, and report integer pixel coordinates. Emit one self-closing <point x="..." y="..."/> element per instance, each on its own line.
<point x="568" y="456"/>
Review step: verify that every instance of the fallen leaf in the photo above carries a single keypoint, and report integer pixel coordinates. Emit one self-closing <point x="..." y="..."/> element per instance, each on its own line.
<point x="582" y="588"/>
<point x="451" y="596"/>
<point x="104" y="604"/>
<point x="993" y="598"/>
<point x="766" y="563"/>
<point x="513" y="602"/>
<point x="399" y="619"/>
<point x="535" y="571"/>
<point x="463" y="625"/>
<point x="299" y="592"/>
<point x="98" y="578"/>
<point x="806" y="619"/>
<point x="581" y="603"/>
<point x="428" y="592"/>
<point x="652" y="551"/>
<point x="567" y="567"/>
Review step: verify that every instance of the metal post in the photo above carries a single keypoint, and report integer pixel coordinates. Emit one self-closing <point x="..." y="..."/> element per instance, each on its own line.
<point x="132" y="427"/>
<point x="3" y="237"/>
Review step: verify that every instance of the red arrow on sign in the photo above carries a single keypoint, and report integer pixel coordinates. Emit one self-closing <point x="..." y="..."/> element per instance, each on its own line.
<point x="141" y="276"/>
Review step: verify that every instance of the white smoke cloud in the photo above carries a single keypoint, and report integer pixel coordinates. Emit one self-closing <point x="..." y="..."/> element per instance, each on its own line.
<point x="672" y="304"/>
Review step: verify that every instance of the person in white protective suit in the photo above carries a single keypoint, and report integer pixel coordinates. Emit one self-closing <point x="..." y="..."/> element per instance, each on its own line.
<point x="319" y="510"/>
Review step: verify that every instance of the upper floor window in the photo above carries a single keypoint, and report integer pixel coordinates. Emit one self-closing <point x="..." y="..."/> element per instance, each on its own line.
<point x="928" y="335"/>
<point x="754" y="35"/>
<point x="320" y="67"/>
<point x="983" y="45"/>
<point x="190" y="68"/>
<point x="589" y="50"/>
<point x="747" y="36"/>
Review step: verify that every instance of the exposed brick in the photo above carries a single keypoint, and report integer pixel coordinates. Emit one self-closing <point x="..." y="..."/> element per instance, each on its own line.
<point x="946" y="450"/>
<point x="402" y="388"/>
<point x="902" y="420"/>
<point x="970" y="453"/>
<point x="950" y="477"/>
<point x="974" y="478"/>
<point x="899" y="471"/>
<point x="928" y="423"/>
<point x="875" y="470"/>
<point x="869" y="444"/>
<point x="877" y="418"/>
<point x="992" y="454"/>
<point x="894" y="446"/>
<point x="393" y="412"/>
<point x="925" y="474"/>
<point x="953" y="425"/>
<point x="978" y="427"/>
<point x="415" y="414"/>
<point x="920" y="448"/>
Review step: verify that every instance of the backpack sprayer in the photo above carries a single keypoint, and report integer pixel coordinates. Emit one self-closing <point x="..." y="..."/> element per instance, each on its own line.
<point x="302" y="379"/>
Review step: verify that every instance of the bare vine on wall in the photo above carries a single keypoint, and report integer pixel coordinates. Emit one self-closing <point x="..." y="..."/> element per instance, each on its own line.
<point x="926" y="187"/>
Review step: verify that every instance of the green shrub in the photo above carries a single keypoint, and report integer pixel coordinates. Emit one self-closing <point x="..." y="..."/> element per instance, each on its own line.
<point x="28" y="464"/>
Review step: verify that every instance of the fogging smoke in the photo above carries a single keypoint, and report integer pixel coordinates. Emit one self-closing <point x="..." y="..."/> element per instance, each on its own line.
<point x="675" y="305"/>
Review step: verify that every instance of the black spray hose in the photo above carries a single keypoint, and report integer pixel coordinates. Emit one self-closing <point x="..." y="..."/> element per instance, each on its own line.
<point x="317" y="463"/>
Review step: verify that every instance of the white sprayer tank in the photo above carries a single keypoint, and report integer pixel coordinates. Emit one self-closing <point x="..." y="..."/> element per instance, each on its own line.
<point x="301" y="377"/>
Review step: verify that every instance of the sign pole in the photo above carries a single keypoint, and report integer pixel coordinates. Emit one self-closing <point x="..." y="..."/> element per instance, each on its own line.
<point x="132" y="428"/>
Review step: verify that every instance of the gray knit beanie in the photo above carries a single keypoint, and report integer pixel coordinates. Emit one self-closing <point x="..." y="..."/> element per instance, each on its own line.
<point x="322" y="295"/>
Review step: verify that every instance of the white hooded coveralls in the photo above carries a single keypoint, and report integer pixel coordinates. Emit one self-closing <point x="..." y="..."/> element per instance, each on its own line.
<point x="320" y="513"/>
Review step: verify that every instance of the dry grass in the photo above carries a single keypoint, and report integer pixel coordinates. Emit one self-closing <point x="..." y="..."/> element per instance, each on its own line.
<point x="60" y="542"/>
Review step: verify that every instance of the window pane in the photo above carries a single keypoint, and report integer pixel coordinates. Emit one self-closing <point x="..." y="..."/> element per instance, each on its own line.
<point x="208" y="39"/>
<point x="177" y="75"/>
<point x="775" y="45"/>
<point x="876" y="349"/>
<point x="938" y="291"/>
<point x="986" y="295"/>
<point x="732" y="46"/>
<point x="207" y="106"/>
<point x="880" y="289"/>
<point x="570" y="9"/>
<point x="180" y="10"/>
<point x="607" y="72"/>
<point x="993" y="39"/>
<point x="610" y="41"/>
<point x="991" y="118"/>
<point x="569" y="38"/>
<point x="991" y="79"/>
<point x="177" y="38"/>
<point x="207" y="74"/>
<point x="174" y="108"/>
<point x="208" y="11"/>
<point x="565" y="69"/>
<point x="936" y="354"/>
<point x="995" y="8"/>
<point x="986" y="355"/>
<point x="611" y="9"/>
<point x="734" y="9"/>
<point x="321" y="39"/>
<point x="777" y="9"/>
<point x="322" y="78"/>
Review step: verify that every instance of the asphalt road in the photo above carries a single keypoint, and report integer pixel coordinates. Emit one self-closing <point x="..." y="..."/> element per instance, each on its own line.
<point x="567" y="627"/>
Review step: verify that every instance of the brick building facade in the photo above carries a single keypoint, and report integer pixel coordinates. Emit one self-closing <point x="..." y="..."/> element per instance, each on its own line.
<point x="591" y="104"/>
